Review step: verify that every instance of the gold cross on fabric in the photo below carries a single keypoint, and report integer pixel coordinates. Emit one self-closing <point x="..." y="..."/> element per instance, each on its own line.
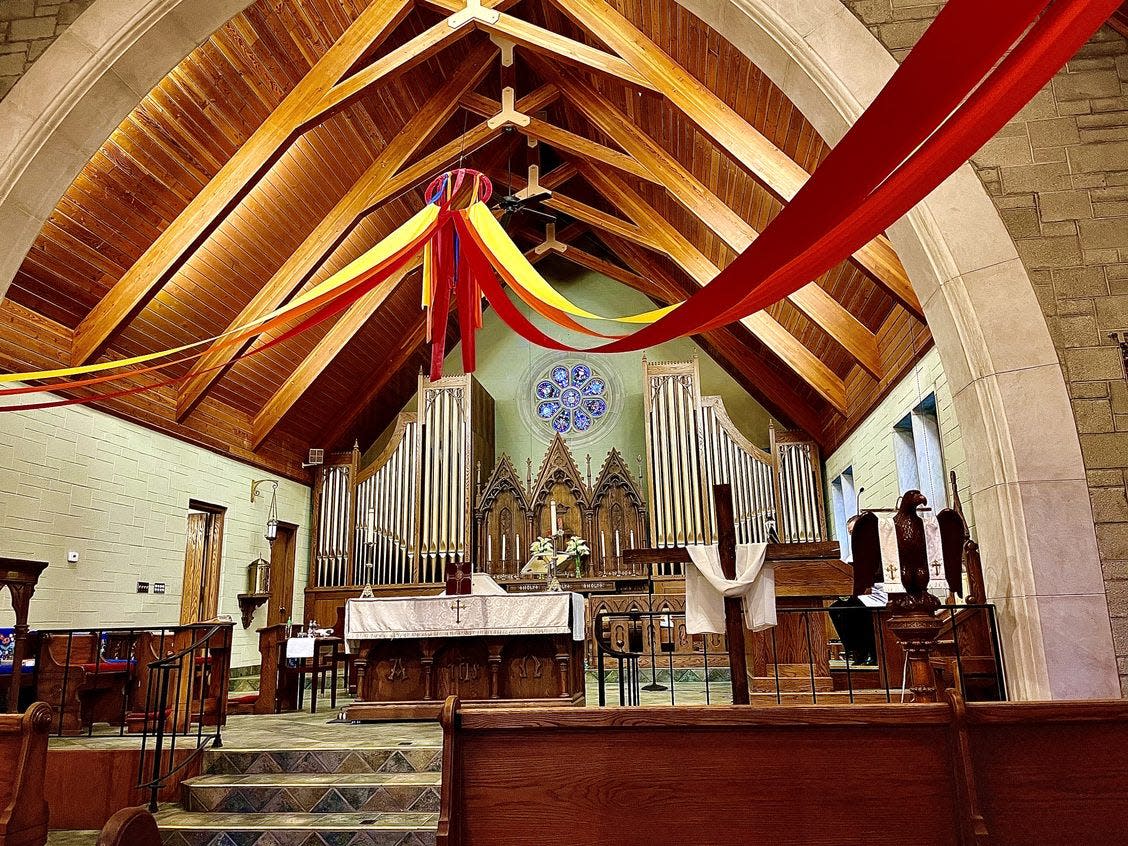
<point x="456" y="607"/>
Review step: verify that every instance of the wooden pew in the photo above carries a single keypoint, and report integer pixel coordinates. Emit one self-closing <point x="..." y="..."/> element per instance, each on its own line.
<point x="23" y="762"/>
<point x="81" y="684"/>
<point x="925" y="775"/>
<point x="130" y="827"/>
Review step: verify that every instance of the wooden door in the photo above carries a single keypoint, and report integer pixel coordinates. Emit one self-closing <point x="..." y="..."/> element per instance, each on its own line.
<point x="194" y="555"/>
<point x="282" y="558"/>
<point x="203" y="556"/>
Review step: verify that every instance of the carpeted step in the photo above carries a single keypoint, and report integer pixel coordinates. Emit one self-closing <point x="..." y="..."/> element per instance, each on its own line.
<point x="187" y="828"/>
<point x="320" y="793"/>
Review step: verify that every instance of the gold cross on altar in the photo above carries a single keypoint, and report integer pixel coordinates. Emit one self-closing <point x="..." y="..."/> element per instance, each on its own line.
<point x="456" y="607"/>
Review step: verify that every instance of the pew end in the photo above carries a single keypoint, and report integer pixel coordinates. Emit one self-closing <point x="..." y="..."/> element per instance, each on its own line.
<point x="23" y="764"/>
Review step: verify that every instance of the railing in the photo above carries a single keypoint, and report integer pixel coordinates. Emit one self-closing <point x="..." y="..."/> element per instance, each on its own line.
<point x="799" y="661"/>
<point x="189" y="686"/>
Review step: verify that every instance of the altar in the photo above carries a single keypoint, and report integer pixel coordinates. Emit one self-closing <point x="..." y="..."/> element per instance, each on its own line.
<point x="488" y="649"/>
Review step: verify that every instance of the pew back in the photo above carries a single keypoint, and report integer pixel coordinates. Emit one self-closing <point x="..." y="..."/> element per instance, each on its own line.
<point x="23" y="761"/>
<point x="817" y="775"/>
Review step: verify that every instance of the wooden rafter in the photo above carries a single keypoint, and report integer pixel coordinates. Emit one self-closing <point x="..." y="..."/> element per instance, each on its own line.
<point x="744" y="144"/>
<point x="790" y="349"/>
<point x="395" y="359"/>
<point x="696" y="197"/>
<point x="562" y="139"/>
<point x="377" y="184"/>
<point x="192" y="226"/>
<point x="543" y="41"/>
<point x="321" y="356"/>
<point x="604" y="221"/>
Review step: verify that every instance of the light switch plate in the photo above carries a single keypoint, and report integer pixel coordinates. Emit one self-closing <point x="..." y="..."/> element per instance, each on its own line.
<point x="142" y="587"/>
<point x="158" y="587"/>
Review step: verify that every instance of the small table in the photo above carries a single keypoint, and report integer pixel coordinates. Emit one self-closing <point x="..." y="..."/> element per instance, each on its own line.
<point x="316" y="668"/>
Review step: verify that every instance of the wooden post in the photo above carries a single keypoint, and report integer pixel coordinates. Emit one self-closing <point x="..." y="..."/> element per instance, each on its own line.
<point x="20" y="577"/>
<point x="734" y="618"/>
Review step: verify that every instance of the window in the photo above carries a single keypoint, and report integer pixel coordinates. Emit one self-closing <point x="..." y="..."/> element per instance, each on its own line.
<point x="844" y="505"/>
<point x="916" y="448"/>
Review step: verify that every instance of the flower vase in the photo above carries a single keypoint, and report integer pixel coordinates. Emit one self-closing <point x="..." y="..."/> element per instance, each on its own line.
<point x="579" y="567"/>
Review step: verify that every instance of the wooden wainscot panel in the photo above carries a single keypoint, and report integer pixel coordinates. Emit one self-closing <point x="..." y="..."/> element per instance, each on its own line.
<point x="85" y="787"/>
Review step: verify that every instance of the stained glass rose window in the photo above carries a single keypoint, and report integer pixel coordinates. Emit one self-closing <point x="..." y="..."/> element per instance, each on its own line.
<point x="570" y="398"/>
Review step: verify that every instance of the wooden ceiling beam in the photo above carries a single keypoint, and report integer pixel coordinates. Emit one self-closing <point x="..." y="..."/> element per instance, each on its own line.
<point x="697" y="265"/>
<point x="562" y="139"/>
<point x="322" y="355"/>
<point x="696" y="197"/>
<point x="744" y="144"/>
<point x="540" y="40"/>
<point x="378" y="183"/>
<point x="601" y="220"/>
<point x="203" y="214"/>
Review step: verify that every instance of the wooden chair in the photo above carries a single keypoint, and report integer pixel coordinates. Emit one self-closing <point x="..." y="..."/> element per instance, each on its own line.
<point x="83" y="686"/>
<point x="23" y="764"/>
<point x="130" y="827"/>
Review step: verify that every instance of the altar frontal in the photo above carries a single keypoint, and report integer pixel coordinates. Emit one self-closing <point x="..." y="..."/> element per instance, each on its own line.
<point x="502" y="649"/>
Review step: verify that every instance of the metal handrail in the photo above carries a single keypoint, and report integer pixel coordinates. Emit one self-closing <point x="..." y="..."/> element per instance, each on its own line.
<point x="160" y="677"/>
<point x="628" y="654"/>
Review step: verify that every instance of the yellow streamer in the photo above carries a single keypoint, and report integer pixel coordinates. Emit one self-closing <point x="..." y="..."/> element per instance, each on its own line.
<point x="396" y="241"/>
<point x="501" y="245"/>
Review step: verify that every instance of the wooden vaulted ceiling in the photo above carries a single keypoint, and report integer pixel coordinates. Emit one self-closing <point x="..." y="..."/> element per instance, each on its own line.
<point x="302" y="132"/>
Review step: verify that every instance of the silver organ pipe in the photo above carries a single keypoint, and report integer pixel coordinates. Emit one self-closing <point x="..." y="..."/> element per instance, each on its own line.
<point x="335" y="508"/>
<point x="385" y="525"/>
<point x="692" y="444"/>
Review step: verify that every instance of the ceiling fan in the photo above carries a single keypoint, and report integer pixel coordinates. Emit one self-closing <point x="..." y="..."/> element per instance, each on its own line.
<point x="514" y="204"/>
<point x="525" y="201"/>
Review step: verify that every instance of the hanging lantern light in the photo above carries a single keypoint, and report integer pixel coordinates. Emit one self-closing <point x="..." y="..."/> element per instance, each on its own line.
<point x="272" y="514"/>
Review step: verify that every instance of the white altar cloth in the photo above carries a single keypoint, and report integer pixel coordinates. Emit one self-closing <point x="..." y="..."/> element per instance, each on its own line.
<point x="474" y="615"/>
<point x="706" y="588"/>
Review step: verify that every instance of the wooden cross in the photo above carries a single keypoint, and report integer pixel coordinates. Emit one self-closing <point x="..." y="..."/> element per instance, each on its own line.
<point x="734" y="618"/>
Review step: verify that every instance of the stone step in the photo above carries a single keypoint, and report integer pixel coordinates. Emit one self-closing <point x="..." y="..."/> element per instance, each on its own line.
<point x="406" y="758"/>
<point x="187" y="828"/>
<point x="319" y="793"/>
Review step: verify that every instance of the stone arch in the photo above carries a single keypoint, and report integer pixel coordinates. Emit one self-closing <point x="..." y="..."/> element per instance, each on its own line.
<point x="1031" y="503"/>
<point x="74" y="96"/>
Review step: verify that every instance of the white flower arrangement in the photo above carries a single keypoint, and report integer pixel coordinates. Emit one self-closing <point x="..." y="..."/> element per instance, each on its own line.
<point x="577" y="547"/>
<point x="541" y="548"/>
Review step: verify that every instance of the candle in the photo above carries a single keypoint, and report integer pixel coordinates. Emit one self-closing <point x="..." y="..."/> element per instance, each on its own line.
<point x="602" y="544"/>
<point x="618" y="551"/>
<point x="552" y="515"/>
<point x="503" y="548"/>
<point x="518" y="549"/>
<point x="632" y="539"/>
<point x="489" y="547"/>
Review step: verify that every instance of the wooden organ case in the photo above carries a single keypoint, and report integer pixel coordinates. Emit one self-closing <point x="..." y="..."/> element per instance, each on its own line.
<point x="608" y="512"/>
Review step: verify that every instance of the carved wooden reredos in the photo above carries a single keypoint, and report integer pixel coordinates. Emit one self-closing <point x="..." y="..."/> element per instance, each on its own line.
<point x="609" y="512"/>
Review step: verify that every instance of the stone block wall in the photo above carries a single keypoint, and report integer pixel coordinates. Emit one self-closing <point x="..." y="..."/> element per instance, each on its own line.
<point x="27" y="28"/>
<point x="1058" y="173"/>
<point x="117" y="493"/>
<point x="869" y="449"/>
